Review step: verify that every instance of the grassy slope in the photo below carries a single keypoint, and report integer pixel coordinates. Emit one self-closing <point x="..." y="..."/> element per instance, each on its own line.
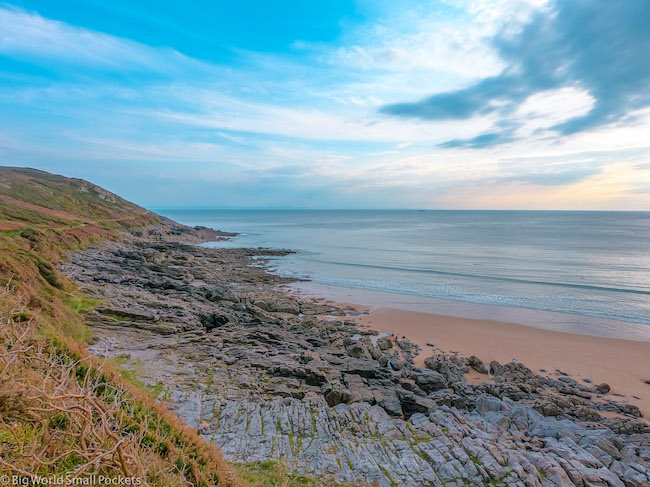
<point x="61" y="410"/>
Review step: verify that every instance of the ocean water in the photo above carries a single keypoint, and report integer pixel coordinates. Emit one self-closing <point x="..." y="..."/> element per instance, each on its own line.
<point x="593" y="264"/>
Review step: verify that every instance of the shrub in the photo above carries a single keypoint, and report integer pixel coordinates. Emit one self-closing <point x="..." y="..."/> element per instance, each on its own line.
<point x="30" y="234"/>
<point x="48" y="273"/>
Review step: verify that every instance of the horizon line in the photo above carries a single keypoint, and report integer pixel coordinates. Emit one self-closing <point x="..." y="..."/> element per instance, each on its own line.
<point x="282" y="208"/>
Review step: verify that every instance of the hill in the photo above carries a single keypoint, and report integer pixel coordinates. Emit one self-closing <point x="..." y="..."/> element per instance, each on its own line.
<point x="44" y="200"/>
<point x="62" y="411"/>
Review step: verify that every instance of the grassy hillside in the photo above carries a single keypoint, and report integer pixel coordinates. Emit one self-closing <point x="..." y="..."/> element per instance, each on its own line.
<point x="42" y="216"/>
<point x="44" y="200"/>
<point x="61" y="410"/>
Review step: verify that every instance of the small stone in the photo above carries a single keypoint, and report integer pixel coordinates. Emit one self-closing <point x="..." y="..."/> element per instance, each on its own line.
<point x="603" y="388"/>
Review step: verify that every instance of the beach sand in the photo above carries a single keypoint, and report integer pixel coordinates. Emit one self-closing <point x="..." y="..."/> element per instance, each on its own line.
<point x="623" y="364"/>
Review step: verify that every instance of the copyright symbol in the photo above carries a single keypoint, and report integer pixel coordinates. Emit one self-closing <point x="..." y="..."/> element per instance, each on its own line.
<point x="4" y="480"/>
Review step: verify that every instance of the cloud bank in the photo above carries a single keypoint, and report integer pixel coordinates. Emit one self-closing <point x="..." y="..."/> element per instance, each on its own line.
<point x="597" y="48"/>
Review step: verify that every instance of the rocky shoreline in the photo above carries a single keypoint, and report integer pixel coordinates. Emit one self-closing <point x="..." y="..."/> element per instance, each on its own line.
<point x="265" y="375"/>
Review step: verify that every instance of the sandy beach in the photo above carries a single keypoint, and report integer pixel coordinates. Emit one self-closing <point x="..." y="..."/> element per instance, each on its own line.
<point x="623" y="364"/>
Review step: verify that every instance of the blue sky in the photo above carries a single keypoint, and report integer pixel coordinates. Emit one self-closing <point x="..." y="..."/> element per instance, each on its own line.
<point x="525" y="104"/>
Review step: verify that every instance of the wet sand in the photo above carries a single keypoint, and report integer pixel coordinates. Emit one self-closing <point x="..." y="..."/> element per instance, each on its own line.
<point x="623" y="364"/>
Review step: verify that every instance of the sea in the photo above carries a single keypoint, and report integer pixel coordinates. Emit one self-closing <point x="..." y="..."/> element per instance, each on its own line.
<point x="577" y="271"/>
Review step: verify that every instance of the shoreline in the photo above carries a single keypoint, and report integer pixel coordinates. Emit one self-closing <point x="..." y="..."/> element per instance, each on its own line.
<point x="268" y="375"/>
<point x="624" y="364"/>
<point x="563" y="322"/>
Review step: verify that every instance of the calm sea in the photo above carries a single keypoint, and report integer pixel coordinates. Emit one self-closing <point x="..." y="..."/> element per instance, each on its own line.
<point x="593" y="264"/>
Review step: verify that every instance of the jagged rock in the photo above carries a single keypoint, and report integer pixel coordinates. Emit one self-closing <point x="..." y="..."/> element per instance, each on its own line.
<point x="449" y="369"/>
<point x="356" y="350"/>
<point x="630" y="409"/>
<point x="548" y="407"/>
<point x="412" y="403"/>
<point x="335" y="394"/>
<point x="444" y="397"/>
<point x="496" y="368"/>
<point x="373" y="351"/>
<point x="213" y="320"/>
<point x="387" y="398"/>
<point x="359" y="391"/>
<point x="384" y="359"/>
<point x="429" y="380"/>
<point x="476" y="363"/>
<point x="384" y="343"/>
<point x="394" y="362"/>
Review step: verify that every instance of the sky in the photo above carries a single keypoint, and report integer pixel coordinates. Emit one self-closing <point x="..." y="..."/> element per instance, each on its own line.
<point x="467" y="104"/>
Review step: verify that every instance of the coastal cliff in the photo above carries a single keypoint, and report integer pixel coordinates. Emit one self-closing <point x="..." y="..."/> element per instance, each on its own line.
<point x="267" y="376"/>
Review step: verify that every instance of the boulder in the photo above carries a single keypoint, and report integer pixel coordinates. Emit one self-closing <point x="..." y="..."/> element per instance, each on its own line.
<point x="449" y="367"/>
<point x="412" y="403"/>
<point x="364" y="367"/>
<point x="395" y="363"/>
<point x="335" y="394"/>
<point x="213" y="320"/>
<point x="388" y="400"/>
<point x="495" y="367"/>
<point x="429" y="380"/>
<point x="356" y="350"/>
<point x="477" y="364"/>
<point x="384" y="343"/>
<point x="603" y="388"/>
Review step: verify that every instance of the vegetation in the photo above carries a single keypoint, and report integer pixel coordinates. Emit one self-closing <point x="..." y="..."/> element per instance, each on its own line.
<point x="35" y="199"/>
<point x="272" y="474"/>
<point x="62" y="410"/>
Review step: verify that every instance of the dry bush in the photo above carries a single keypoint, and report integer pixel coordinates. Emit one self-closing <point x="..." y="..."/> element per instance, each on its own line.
<point x="64" y="411"/>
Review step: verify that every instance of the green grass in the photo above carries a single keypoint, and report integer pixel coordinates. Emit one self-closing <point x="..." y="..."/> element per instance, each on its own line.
<point x="82" y="303"/>
<point x="116" y="316"/>
<point x="129" y="374"/>
<point x="272" y="474"/>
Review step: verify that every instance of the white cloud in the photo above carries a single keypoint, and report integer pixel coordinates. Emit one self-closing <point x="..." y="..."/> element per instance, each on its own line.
<point x="213" y="110"/>
<point x="29" y="34"/>
<point x="548" y="108"/>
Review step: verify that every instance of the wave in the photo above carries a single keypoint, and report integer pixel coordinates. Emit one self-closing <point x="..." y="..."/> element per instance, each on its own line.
<point x="492" y="300"/>
<point x="491" y="278"/>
